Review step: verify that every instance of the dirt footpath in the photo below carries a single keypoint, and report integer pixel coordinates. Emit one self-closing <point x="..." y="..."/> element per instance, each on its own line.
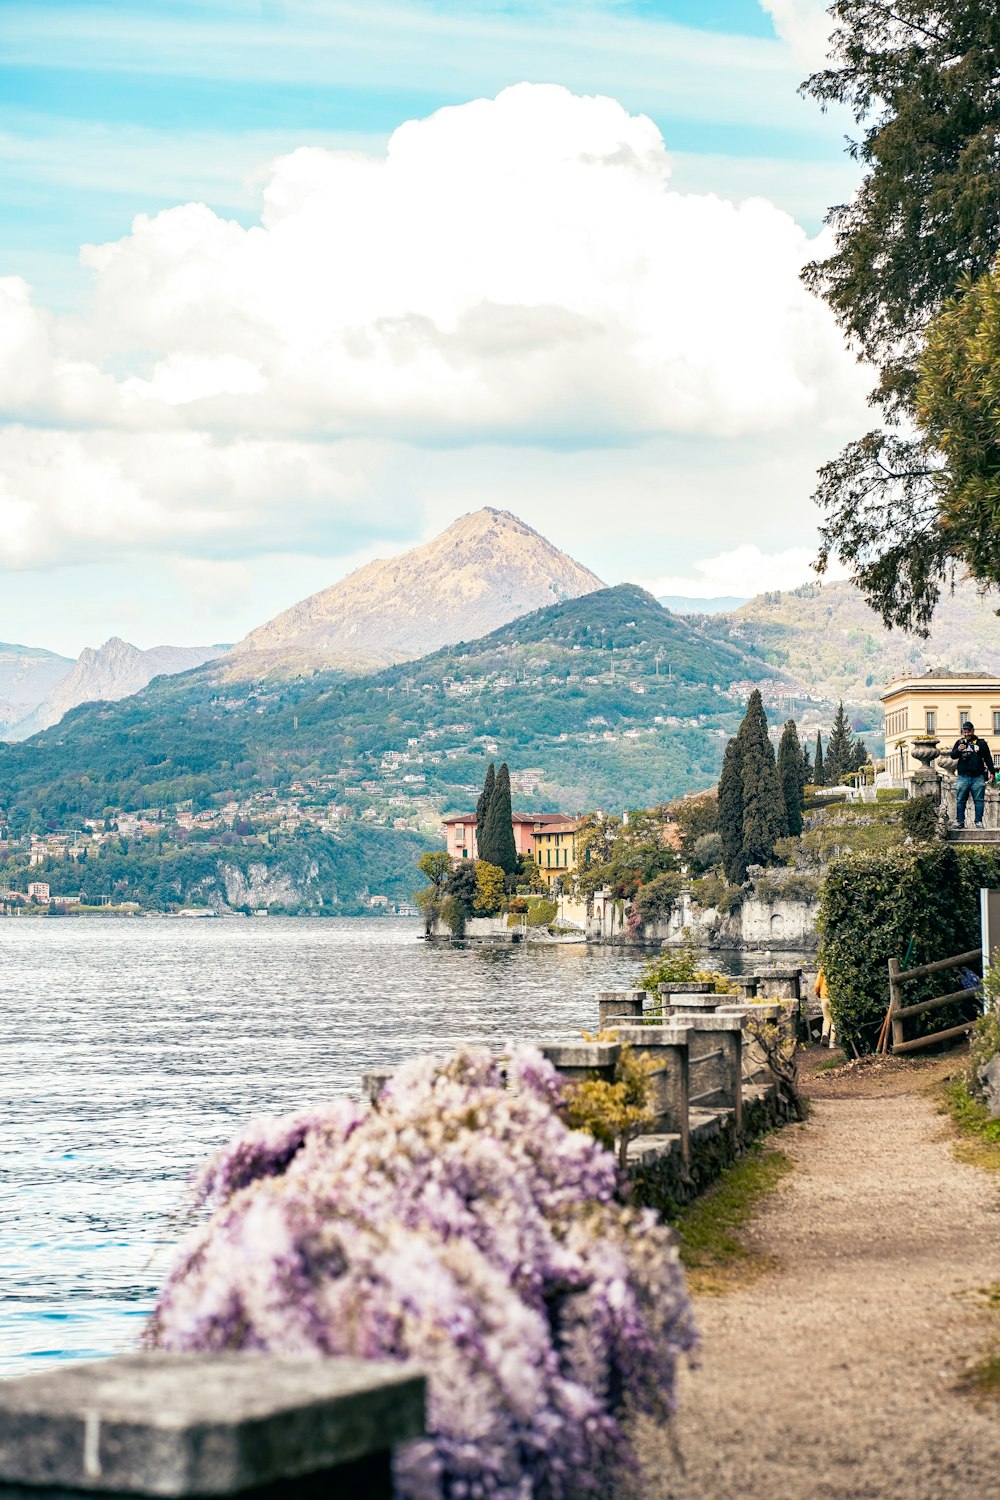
<point x="836" y="1375"/>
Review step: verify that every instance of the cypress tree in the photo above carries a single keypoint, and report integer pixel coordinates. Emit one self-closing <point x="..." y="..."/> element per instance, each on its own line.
<point x="731" y="813"/>
<point x="790" y="767"/>
<point x="839" y="749"/>
<point x="819" y="770"/>
<point x="482" y="806"/>
<point x="762" y="809"/>
<point x="497" y="844"/>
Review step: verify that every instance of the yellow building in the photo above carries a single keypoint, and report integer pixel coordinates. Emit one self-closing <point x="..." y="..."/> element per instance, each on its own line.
<point x="937" y="704"/>
<point x="556" y="850"/>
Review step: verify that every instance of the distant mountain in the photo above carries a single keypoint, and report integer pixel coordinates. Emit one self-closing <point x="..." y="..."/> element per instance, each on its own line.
<point x="824" y="641"/>
<point x="111" y="672"/>
<point x="608" y="698"/>
<point x="485" y="569"/>
<point x="27" y="675"/>
<point x="684" y="604"/>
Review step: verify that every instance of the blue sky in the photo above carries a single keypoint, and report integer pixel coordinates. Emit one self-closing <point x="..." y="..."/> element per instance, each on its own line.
<point x="117" y="110"/>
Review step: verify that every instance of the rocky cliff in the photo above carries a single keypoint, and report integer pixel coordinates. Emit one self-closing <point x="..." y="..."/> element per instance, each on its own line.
<point x="486" y="569"/>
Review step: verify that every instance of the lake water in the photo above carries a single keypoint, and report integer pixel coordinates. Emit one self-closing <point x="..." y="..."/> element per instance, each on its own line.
<point x="129" y="1050"/>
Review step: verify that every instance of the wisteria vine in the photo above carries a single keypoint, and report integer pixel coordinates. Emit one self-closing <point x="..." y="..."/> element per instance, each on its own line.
<point x="462" y="1225"/>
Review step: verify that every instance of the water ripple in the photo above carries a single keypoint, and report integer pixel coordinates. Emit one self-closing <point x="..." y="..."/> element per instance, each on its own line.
<point x="129" y="1050"/>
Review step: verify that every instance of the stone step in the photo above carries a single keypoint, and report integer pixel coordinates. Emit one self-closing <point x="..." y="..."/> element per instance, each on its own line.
<point x="980" y="836"/>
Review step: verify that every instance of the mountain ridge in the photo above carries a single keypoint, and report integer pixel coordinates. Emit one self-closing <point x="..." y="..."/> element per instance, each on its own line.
<point x="107" y="673"/>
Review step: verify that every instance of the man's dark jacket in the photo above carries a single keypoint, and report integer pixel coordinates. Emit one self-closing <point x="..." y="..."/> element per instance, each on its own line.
<point x="974" y="758"/>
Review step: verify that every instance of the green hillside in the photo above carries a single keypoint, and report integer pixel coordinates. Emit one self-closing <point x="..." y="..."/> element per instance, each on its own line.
<point x="825" y="641"/>
<point x="608" y="698"/>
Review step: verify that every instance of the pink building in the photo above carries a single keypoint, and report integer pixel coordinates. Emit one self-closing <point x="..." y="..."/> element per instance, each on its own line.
<point x="460" y="831"/>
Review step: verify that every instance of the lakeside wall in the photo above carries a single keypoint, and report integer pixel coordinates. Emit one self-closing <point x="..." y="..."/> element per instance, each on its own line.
<point x="779" y="924"/>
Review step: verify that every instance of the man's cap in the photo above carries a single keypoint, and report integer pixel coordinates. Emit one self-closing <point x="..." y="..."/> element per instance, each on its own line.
<point x="968" y="724"/>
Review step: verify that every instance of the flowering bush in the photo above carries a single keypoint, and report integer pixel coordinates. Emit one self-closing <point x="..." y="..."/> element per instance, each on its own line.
<point x="464" y="1226"/>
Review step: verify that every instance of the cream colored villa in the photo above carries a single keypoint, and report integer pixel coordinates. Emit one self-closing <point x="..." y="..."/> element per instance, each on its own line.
<point x="937" y="704"/>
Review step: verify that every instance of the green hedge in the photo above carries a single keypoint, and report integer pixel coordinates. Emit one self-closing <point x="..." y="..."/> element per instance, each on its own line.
<point x="870" y="906"/>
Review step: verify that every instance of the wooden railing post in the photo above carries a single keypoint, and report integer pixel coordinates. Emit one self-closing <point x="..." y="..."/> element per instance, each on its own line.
<point x="895" y="1003"/>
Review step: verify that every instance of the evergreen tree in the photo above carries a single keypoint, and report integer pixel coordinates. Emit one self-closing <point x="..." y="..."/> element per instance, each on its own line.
<point x="482" y="806"/>
<point x="839" y="749"/>
<point x="807" y="768"/>
<point x="497" y="843"/>
<point x="763" y="820"/>
<point x="731" y="813"/>
<point x="790" y="777"/>
<point x="819" y="770"/>
<point x="860" y="754"/>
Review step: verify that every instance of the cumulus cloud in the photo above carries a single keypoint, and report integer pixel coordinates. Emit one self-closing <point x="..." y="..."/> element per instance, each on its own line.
<point x="742" y="572"/>
<point x="84" y="495"/>
<point x="515" y="269"/>
<point x="517" y="266"/>
<point x="805" y="26"/>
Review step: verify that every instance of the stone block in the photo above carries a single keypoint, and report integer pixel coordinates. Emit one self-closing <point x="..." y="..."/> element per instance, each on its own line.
<point x="780" y="984"/>
<point x="579" y="1060"/>
<point x="204" y="1425"/>
<point x="612" y="1005"/>
<point x="990" y="1080"/>
<point x="687" y="987"/>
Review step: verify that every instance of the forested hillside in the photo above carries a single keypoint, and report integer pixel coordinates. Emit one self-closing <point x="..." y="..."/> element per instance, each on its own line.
<point x="612" y="701"/>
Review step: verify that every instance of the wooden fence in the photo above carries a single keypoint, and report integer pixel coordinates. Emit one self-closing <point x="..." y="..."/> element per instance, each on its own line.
<point x="899" y="1013"/>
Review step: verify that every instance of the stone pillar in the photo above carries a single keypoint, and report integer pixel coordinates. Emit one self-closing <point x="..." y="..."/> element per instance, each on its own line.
<point x="668" y="1048"/>
<point x="715" y="1062"/>
<point x="780" y="984"/>
<point x="746" y="986"/>
<point x="616" y="1005"/>
<point x="374" y="1081"/>
<point x="671" y="995"/>
<point x="578" y="1061"/>
<point x="207" y="1424"/>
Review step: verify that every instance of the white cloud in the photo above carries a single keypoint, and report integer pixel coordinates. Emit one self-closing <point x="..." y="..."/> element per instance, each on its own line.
<point x="516" y="270"/>
<point x="743" y="572"/>
<point x="805" y="26"/>
<point x="76" y="496"/>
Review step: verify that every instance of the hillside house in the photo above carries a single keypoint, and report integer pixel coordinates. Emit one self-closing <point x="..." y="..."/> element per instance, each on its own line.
<point x="937" y="704"/>
<point x="557" y="852"/>
<point x="460" y="832"/>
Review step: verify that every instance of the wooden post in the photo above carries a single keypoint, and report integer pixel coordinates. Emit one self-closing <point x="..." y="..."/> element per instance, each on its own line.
<point x="895" y="1003"/>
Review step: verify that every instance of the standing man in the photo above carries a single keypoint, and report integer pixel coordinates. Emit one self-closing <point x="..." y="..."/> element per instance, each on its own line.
<point x="975" y="769"/>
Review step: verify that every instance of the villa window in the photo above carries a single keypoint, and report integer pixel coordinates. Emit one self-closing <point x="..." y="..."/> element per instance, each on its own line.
<point x="996" y="721"/>
<point x="963" y="714"/>
<point x="930" y="721"/>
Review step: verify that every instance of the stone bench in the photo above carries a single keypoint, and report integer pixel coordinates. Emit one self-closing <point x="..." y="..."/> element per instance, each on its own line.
<point x="206" y="1425"/>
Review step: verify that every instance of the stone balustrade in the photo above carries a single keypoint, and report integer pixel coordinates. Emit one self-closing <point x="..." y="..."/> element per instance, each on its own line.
<point x="207" y="1425"/>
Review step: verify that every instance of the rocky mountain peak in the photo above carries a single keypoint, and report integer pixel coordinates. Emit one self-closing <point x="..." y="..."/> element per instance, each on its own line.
<point x="485" y="569"/>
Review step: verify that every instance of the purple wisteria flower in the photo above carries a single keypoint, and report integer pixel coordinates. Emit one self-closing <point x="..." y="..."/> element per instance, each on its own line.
<point x="461" y="1225"/>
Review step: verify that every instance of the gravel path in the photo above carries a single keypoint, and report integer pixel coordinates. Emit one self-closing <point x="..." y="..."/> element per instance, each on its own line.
<point x="836" y="1374"/>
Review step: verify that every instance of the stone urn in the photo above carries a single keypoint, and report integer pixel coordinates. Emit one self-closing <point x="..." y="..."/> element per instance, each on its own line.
<point x="926" y="781"/>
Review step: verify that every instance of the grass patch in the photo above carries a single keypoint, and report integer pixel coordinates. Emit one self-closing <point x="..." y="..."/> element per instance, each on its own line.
<point x="715" y="1256"/>
<point x="981" y="1376"/>
<point x="978" y="1135"/>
